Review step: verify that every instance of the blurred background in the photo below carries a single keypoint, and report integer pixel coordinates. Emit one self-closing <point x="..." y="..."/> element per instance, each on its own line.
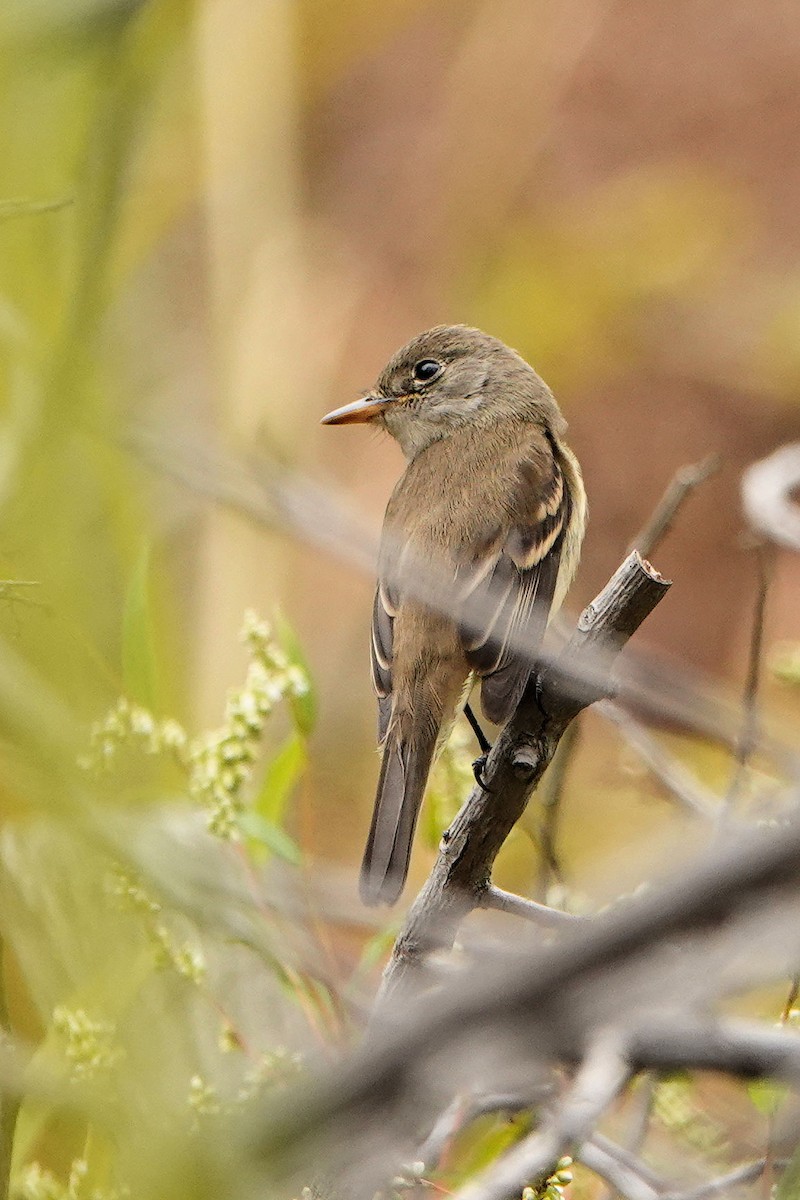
<point x="218" y="220"/>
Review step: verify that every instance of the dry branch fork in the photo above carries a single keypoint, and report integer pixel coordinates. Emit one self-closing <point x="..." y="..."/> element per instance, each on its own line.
<point x="461" y="877"/>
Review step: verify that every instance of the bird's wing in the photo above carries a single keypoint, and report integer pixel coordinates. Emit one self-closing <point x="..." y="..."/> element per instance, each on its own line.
<point x="510" y="582"/>
<point x="383" y="614"/>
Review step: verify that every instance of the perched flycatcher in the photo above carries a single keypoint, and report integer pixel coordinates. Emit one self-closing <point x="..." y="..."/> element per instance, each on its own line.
<point x="492" y="499"/>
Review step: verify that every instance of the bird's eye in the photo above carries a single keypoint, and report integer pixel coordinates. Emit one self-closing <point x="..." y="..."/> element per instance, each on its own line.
<point x="426" y="370"/>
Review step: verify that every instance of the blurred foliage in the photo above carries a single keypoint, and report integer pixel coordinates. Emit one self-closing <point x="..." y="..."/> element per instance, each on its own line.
<point x="330" y="39"/>
<point x="141" y="1027"/>
<point x="115" y="970"/>
<point x="154" y="987"/>
<point x="82" y="94"/>
<point x="785" y="662"/>
<point x="563" y="287"/>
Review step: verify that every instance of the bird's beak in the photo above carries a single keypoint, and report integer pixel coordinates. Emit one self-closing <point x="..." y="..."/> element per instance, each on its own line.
<point x="357" y="412"/>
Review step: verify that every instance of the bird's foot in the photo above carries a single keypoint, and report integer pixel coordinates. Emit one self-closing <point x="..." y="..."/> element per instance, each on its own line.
<point x="479" y="770"/>
<point x="484" y="745"/>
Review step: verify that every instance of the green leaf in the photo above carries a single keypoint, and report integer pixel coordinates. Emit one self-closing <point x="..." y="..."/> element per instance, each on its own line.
<point x="280" y="778"/>
<point x="25" y="208"/>
<point x="138" y="648"/>
<point x="377" y="947"/>
<point x="304" y="708"/>
<point x="482" y="1143"/>
<point x="265" y="833"/>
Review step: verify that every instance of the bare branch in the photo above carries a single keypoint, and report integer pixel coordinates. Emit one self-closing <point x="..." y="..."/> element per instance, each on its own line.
<point x="529" y="910"/>
<point x="746" y="1049"/>
<point x="742" y="1048"/>
<point x="630" y="1160"/>
<point x="642" y="1104"/>
<point x="633" y="1179"/>
<point x="683" y="483"/>
<point x="622" y="1179"/>
<point x="553" y="999"/>
<point x="748" y="739"/>
<point x="698" y="800"/>
<point x="463" y="1111"/>
<point x="723" y="1183"/>
<point x="520" y="756"/>
<point x="602" y="1076"/>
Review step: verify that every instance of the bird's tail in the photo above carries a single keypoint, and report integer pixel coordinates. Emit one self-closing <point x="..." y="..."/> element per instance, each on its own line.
<point x="404" y="773"/>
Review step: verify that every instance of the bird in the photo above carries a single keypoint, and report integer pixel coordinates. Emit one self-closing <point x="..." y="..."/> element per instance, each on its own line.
<point x="492" y="499"/>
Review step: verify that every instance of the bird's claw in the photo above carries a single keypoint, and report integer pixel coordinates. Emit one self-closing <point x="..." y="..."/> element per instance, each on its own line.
<point x="478" y="770"/>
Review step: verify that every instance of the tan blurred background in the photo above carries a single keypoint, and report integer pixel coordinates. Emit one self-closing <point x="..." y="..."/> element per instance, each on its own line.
<point x="611" y="187"/>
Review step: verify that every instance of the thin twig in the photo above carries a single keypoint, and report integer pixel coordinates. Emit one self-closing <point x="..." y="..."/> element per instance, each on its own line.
<point x="723" y="1183"/>
<point x="622" y="1180"/>
<point x="630" y="1160"/>
<point x="549" y="1001"/>
<point x="529" y="910"/>
<point x="683" y="483"/>
<point x="465" y="1109"/>
<point x="681" y="784"/>
<point x="642" y="1101"/>
<point x="601" y="1077"/>
<point x="791" y="1000"/>
<point x="748" y="739"/>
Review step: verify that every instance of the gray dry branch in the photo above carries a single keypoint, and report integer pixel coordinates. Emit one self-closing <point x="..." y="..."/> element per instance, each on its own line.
<point x="684" y="482"/>
<point x="461" y="877"/>
<point x="602" y="1075"/>
<point x="652" y="970"/>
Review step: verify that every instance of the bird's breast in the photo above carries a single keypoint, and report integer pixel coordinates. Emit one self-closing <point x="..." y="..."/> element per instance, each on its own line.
<point x="449" y="501"/>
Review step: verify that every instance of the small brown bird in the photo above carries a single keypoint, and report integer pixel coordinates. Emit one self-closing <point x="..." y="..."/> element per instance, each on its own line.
<point x="494" y="501"/>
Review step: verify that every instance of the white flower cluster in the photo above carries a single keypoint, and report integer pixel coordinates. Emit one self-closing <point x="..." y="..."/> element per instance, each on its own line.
<point x="130" y="895"/>
<point x="274" y="1069"/>
<point x="221" y="763"/>
<point x="203" y="1097"/>
<point x="130" y="724"/>
<point x="554" y="1186"/>
<point x="34" y="1182"/>
<point x="89" y="1045"/>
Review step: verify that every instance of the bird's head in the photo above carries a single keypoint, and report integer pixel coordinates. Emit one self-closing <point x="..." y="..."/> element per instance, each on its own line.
<point x="445" y="378"/>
